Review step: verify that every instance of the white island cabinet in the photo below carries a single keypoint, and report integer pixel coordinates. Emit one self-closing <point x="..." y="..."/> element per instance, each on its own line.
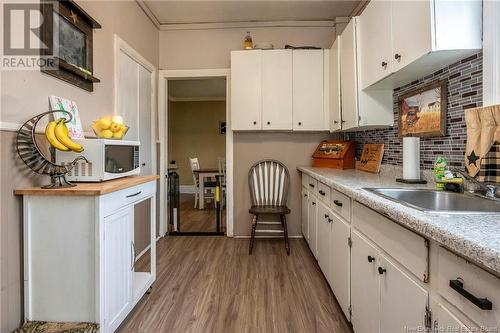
<point x="81" y="260"/>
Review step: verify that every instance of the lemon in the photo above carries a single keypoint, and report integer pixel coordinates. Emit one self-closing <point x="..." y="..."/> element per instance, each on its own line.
<point x="104" y="123"/>
<point x="107" y="134"/>
<point x="118" y="135"/>
<point x="114" y="127"/>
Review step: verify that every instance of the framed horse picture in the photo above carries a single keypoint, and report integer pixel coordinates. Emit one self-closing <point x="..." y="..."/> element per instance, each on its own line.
<point x="422" y="112"/>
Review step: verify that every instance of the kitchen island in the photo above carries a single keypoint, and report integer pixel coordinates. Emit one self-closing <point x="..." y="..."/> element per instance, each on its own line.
<point x="79" y="250"/>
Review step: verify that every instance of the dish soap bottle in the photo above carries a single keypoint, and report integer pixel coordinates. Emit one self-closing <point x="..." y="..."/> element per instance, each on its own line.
<point x="248" y="43"/>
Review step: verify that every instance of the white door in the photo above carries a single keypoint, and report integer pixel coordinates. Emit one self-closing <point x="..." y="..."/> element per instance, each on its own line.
<point x="313" y="232"/>
<point x="402" y="300"/>
<point x="277" y="89"/>
<point x="305" y="214"/>
<point x="446" y="321"/>
<point x="118" y="267"/>
<point x="412" y="39"/>
<point x="146" y="130"/>
<point x="246" y="90"/>
<point x="308" y="112"/>
<point x="340" y="262"/>
<point x="324" y="219"/>
<point x="365" y="288"/>
<point x="348" y="77"/>
<point x="335" y="102"/>
<point x="127" y="91"/>
<point x="375" y="42"/>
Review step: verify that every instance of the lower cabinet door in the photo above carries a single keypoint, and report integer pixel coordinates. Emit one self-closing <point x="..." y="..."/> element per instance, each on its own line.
<point x="402" y="300"/>
<point x="305" y="214"/>
<point x="313" y="232"/>
<point x="324" y="223"/>
<point x="118" y="267"/>
<point x="340" y="262"/>
<point x="445" y="321"/>
<point x="365" y="288"/>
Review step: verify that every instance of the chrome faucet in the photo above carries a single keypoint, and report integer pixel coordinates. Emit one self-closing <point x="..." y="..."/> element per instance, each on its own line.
<point x="488" y="190"/>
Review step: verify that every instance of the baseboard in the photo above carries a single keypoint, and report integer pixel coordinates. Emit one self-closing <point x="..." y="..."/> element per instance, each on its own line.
<point x="277" y="237"/>
<point x="187" y="189"/>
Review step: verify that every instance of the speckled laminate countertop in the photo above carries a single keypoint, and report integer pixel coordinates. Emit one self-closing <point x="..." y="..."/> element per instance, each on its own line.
<point x="476" y="237"/>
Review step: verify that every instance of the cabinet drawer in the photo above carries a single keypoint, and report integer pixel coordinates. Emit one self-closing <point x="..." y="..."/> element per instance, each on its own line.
<point x="473" y="283"/>
<point x="310" y="183"/>
<point x="323" y="192"/>
<point x="408" y="248"/>
<point x="115" y="200"/>
<point x="341" y="204"/>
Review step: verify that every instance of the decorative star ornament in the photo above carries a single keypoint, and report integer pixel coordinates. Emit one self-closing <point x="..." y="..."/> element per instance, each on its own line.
<point x="74" y="17"/>
<point x="473" y="158"/>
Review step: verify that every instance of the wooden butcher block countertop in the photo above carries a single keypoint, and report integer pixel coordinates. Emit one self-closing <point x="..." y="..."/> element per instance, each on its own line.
<point x="90" y="189"/>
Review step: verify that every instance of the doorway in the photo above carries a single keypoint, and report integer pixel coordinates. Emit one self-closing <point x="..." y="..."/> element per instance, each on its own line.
<point x="194" y="108"/>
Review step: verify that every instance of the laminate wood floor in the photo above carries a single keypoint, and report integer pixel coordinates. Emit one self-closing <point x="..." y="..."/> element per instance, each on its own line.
<point x="211" y="284"/>
<point x="194" y="219"/>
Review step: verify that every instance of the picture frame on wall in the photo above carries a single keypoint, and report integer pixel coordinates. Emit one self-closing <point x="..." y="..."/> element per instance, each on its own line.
<point x="422" y="112"/>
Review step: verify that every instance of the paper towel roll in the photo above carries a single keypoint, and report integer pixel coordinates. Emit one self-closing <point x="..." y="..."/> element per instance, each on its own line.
<point x="411" y="158"/>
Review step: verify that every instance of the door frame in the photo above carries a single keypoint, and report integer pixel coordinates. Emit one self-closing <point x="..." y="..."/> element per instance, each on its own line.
<point x="163" y="77"/>
<point x="119" y="45"/>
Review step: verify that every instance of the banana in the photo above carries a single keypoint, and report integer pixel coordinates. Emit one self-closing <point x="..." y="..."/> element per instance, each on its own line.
<point x="50" y="135"/>
<point x="61" y="132"/>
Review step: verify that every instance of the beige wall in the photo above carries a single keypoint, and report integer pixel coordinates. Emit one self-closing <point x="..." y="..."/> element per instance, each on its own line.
<point x="293" y="149"/>
<point x="24" y="94"/>
<point x="195" y="49"/>
<point x="193" y="129"/>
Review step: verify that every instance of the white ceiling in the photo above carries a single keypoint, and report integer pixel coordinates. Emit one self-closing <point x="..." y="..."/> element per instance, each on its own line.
<point x="197" y="89"/>
<point x="184" y="12"/>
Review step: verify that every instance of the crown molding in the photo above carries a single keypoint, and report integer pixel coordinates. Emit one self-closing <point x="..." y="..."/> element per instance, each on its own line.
<point x="246" y="25"/>
<point x="149" y="13"/>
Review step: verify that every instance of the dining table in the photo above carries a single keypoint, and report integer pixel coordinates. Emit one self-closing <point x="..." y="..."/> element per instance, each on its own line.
<point x="202" y="174"/>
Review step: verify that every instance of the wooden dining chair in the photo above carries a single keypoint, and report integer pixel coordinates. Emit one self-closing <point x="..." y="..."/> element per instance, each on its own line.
<point x="269" y="181"/>
<point x="209" y="186"/>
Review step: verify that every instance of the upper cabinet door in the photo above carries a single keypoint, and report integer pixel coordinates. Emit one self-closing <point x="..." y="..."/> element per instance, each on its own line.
<point x="396" y="290"/>
<point x="246" y="90"/>
<point x="277" y="89"/>
<point x="348" y="76"/>
<point x="308" y="112"/>
<point x="375" y="42"/>
<point x="411" y="31"/>
<point x="334" y="77"/>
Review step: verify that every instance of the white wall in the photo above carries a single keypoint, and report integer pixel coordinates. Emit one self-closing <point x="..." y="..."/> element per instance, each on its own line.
<point x="25" y="93"/>
<point x="199" y="49"/>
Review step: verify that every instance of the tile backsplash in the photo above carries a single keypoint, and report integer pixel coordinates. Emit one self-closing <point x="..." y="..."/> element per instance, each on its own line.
<point x="465" y="90"/>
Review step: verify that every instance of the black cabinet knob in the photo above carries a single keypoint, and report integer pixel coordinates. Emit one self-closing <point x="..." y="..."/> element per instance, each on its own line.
<point x="371" y="259"/>
<point x="381" y="270"/>
<point x="311" y="185"/>
<point x="255" y="123"/>
<point x="330" y="220"/>
<point x="269" y="123"/>
<point x="337" y="203"/>
<point x="397" y="56"/>
<point x="335" y="121"/>
<point x="384" y="64"/>
<point x="300" y="124"/>
<point x="313" y="203"/>
<point x="143" y="164"/>
<point x="321" y="192"/>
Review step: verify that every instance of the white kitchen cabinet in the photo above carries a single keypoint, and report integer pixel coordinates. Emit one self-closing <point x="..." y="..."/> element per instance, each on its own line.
<point x="305" y="214"/>
<point x="246" y="90"/>
<point x="335" y="103"/>
<point x="365" y="285"/>
<point x="313" y="224"/>
<point x="79" y="254"/>
<point x="445" y="321"/>
<point x="277" y="90"/>
<point x="340" y="262"/>
<point x="324" y="239"/>
<point x="375" y="48"/>
<point x="403" y="302"/>
<point x="360" y="109"/>
<point x="308" y="110"/>
<point x="421" y="37"/>
<point x="117" y="266"/>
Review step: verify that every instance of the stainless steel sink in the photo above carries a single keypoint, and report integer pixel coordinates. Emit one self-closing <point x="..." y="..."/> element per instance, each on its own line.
<point x="439" y="201"/>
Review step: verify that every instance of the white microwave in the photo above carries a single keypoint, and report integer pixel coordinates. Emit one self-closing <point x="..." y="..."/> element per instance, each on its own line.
<point x="107" y="159"/>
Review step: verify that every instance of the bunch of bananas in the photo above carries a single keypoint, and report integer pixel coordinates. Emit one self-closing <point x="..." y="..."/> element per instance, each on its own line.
<point x="57" y="134"/>
<point x="111" y="127"/>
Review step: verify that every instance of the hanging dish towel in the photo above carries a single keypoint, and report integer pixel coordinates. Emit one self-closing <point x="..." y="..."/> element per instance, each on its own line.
<point x="483" y="131"/>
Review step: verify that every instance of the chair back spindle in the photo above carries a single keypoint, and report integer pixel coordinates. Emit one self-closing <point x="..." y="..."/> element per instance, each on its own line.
<point x="269" y="181"/>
